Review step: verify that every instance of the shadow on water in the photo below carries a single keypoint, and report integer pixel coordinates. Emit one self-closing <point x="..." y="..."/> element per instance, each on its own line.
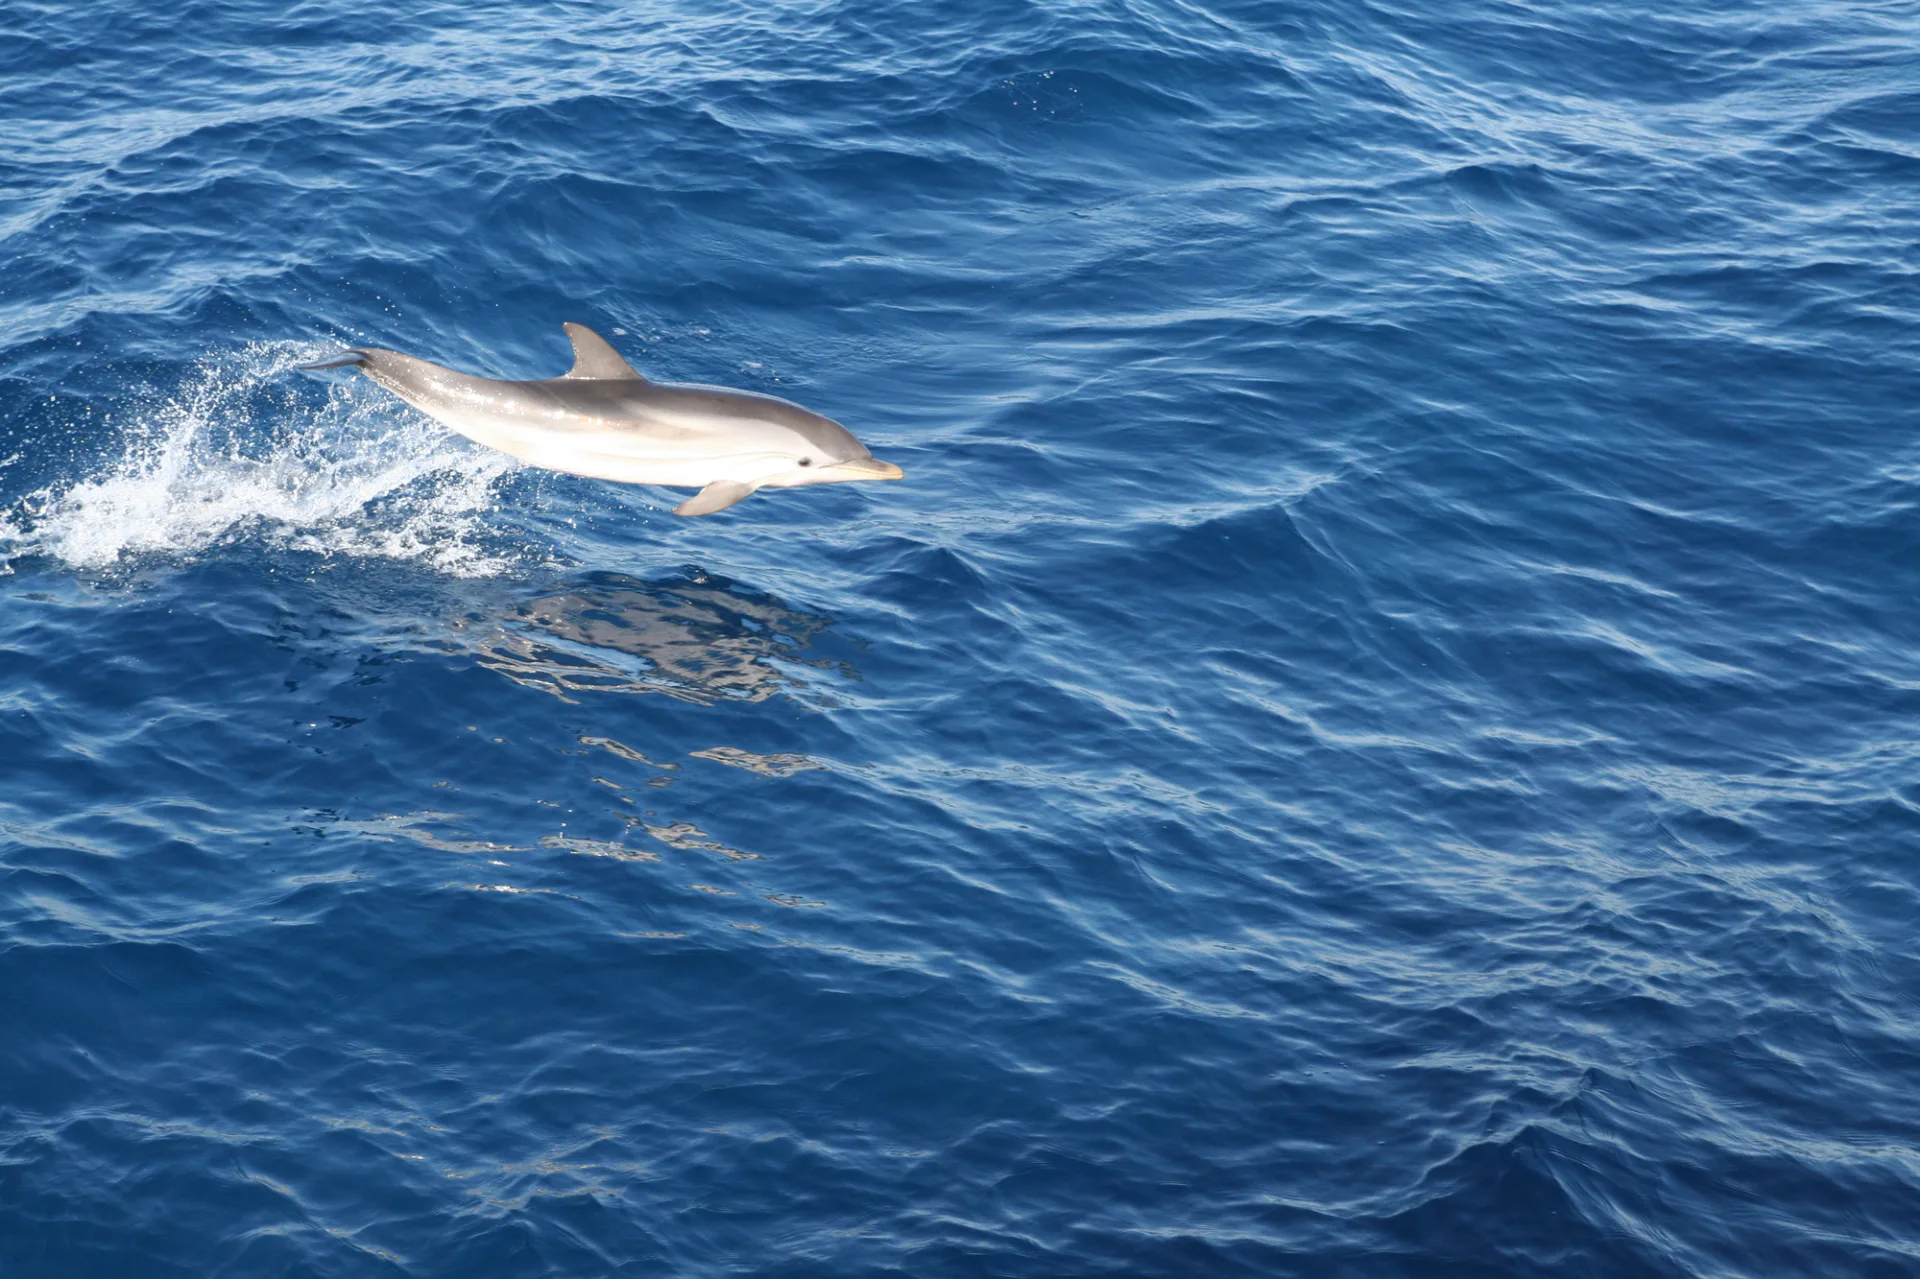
<point x="690" y="635"/>
<point x="693" y="636"/>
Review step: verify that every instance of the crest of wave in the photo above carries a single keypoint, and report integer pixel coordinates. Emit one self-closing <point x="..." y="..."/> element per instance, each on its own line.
<point x="247" y="451"/>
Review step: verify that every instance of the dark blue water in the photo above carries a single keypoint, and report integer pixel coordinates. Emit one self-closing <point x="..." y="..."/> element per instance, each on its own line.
<point x="1380" y="737"/>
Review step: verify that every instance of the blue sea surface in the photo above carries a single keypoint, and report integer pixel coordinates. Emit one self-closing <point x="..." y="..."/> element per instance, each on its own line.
<point x="1379" y="737"/>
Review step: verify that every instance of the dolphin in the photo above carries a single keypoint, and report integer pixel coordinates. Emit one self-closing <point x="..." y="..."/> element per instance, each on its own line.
<point x="603" y="420"/>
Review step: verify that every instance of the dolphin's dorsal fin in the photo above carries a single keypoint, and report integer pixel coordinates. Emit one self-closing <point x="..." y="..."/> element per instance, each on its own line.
<point x="594" y="357"/>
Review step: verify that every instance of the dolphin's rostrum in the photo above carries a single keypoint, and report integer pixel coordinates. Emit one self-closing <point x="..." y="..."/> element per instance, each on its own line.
<point x="604" y="420"/>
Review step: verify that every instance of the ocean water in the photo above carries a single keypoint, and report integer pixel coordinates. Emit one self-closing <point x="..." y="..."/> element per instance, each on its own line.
<point x="1380" y="736"/>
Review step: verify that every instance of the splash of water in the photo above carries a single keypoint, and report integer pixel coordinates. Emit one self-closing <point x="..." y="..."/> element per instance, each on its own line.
<point x="245" y="451"/>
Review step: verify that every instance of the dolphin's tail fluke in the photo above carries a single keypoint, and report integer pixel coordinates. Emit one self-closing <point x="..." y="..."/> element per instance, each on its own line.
<point x="355" y="358"/>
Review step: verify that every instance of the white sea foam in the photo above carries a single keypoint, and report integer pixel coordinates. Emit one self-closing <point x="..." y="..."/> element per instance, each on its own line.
<point x="247" y="450"/>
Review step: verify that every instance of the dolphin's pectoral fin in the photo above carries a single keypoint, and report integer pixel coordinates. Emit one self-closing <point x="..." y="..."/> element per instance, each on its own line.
<point x="717" y="496"/>
<point x="593" y="356"/>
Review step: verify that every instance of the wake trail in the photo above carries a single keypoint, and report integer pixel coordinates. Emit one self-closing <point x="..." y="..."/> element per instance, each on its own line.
<point x="248" y="451"/>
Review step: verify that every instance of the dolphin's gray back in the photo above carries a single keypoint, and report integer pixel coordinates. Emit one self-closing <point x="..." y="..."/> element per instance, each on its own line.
<point x="690" y="406"/>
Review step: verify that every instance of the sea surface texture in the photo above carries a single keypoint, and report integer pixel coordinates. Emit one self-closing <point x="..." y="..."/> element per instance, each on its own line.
<point x="1380" y="735"/>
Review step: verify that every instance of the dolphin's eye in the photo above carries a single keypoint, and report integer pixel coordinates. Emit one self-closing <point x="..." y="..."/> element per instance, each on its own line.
<point x="806" y="461"/>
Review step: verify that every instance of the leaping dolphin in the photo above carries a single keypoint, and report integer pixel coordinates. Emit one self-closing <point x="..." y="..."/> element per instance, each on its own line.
<point x="603" y="420"/>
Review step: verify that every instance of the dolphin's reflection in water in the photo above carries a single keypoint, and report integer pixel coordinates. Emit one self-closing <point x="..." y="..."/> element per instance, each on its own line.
<point x="656" y="831"/>
<point x="695" y="636"/>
